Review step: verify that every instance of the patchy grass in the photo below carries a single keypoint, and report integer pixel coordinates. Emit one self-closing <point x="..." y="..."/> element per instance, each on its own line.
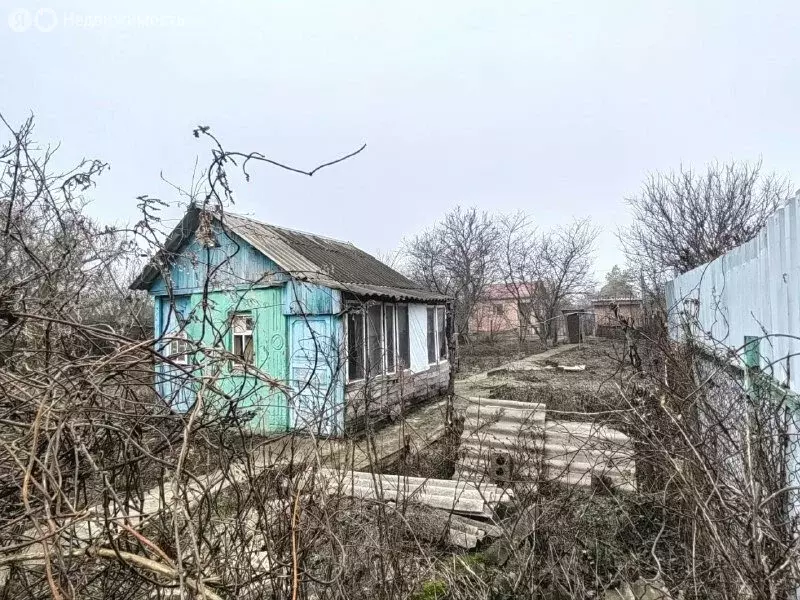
<point x="569" y="394"/>
<point x="487" y="353"/>
<point x="434" y="589"/>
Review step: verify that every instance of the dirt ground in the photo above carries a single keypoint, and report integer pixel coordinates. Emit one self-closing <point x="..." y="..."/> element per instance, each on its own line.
<point x="489" y="353"/>
<point x="539" y="379"/>
<point x="591" y="390"/>
<point x="572" y="395"/>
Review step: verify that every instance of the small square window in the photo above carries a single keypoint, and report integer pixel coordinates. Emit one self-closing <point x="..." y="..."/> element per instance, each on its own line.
<point x="179" y="349"/>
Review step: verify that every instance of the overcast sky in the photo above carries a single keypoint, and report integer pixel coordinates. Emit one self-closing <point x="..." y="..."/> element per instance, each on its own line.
<point x="556" y="108"/>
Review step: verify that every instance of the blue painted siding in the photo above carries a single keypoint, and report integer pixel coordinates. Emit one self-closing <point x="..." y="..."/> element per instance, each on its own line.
<point x="297" y="333"/>
<point x="314" y="357"/>
<point x="256" y="397"/>
<point x="174" y="383"/>
<point x="233" y="262"/>
<point x="315" y="372"/>
<point x="304" y="298"/>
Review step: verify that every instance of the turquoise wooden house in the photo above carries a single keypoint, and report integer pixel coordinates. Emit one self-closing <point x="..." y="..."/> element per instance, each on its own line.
<point x="282" y="329"/>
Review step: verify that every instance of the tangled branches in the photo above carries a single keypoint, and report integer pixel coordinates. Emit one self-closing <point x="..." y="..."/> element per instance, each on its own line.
<point x="107" y="491"/>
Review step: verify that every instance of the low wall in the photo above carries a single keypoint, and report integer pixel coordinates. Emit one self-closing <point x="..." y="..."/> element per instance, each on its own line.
<point x="385" y="398"/>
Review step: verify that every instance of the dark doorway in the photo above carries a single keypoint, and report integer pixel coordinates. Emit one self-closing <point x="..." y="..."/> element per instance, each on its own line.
<point x="574" y="328"/>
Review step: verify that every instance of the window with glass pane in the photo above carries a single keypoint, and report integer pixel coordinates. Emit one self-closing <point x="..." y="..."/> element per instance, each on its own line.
<point x="388" y="319"/>
<point x="440" y="323"/>
<point x="403" y="340"/>
<point x="179" y="349"/>
<point x="242" y="329"/>
<point x="431" y="335"/>
<point x="355" y="345"/>
<point x="374" y="340"/>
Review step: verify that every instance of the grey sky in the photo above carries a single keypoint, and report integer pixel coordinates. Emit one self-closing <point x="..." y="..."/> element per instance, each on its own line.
<point x="556" y="108"/>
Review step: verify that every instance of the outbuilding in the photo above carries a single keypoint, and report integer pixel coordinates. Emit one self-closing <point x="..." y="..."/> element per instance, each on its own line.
<point x="285" y="330"/>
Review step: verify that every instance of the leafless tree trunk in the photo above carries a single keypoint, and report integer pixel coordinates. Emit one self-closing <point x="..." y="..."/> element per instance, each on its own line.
<point x="548" y="270"/>
<point x="516" y="256"/>
<point x="455" y="257"/>
<point x="684" y="219"/>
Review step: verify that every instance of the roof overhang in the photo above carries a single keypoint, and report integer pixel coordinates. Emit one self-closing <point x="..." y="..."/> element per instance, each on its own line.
<point x="297" y="267"/>
<point x="391" y="293"/>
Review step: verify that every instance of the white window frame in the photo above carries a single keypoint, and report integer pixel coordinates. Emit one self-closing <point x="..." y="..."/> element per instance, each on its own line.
<point x="432" y="307"/>
<point x="384" y="372"/>
<point x="240" y="363"/>
<point x="436" y="308"/>
<point x="443" y="328"/>
<point x="361" y="310"/>
<point x="381" y="341"/>
<point x="177" y="340"/>
<point x="397" y="337"/>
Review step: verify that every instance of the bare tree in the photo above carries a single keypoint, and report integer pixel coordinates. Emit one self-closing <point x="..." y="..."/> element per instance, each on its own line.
<point x="684" y="219"/>
<point x="545" y="271"/>
<point x="85" y="439"/>
<point x="456" y="257"/>
<point x="391" y="258"/>
<point x="517" y="253"/>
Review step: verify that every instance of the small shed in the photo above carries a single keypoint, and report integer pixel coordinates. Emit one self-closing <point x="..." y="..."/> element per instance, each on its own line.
<point x="612" y="314"/>
<point x="283" y="329"/>
<point x="578" y="324"/>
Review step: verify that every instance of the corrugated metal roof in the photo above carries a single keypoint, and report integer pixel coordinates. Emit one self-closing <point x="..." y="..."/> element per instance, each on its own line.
<point x="264" y="238"/>
<point x="315" y="258"/>
<point x="379" y="291"/>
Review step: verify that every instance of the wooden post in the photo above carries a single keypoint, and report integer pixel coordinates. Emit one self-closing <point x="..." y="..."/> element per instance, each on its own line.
<point x="452" y="353"/>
